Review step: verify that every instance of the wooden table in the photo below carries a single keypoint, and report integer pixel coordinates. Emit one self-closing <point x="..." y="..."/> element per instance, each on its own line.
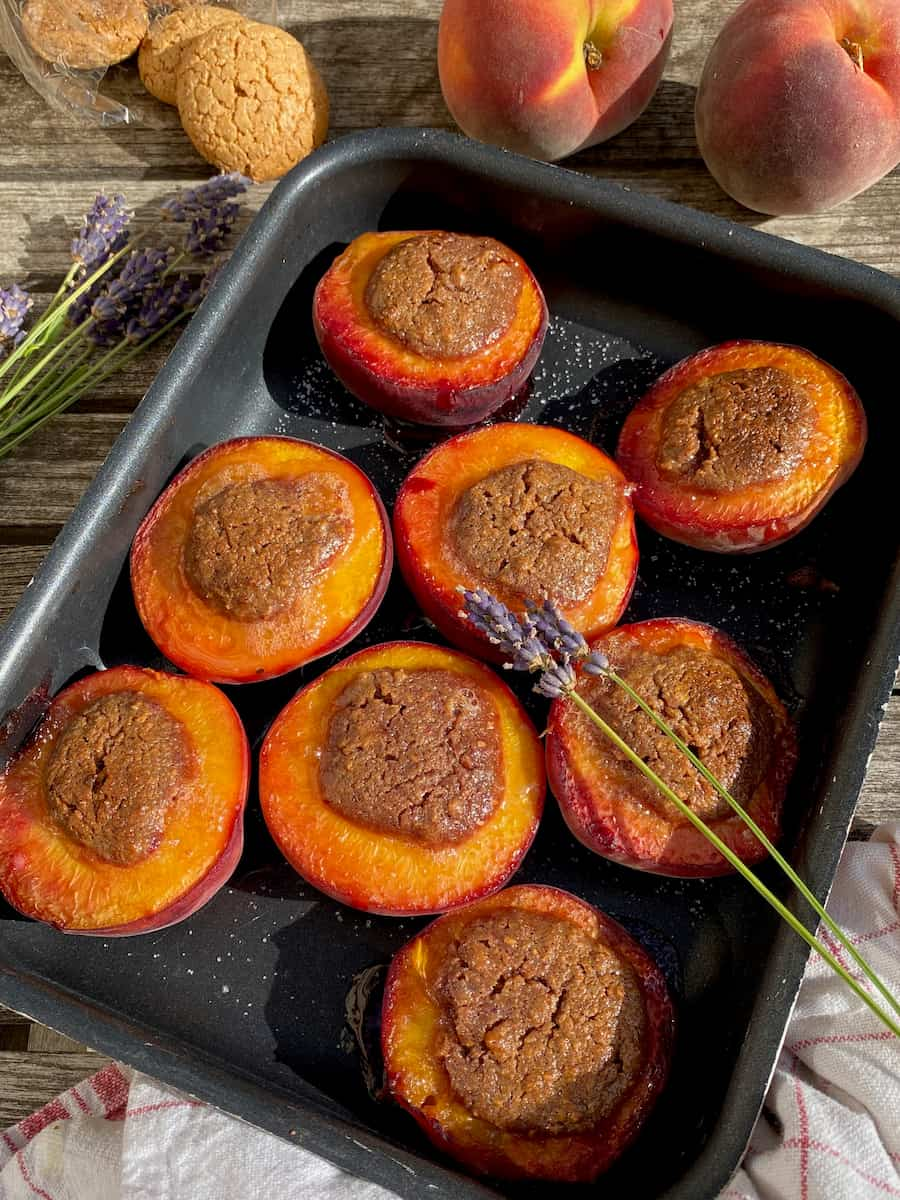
<point x="378" y="60"/>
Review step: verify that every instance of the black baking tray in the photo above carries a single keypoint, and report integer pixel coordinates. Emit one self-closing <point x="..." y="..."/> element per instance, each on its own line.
<point x="244" y="1004"/>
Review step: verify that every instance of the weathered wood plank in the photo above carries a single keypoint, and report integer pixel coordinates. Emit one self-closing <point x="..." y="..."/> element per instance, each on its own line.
<point x="42" y="1040"/>
<point x="30" y="1079"/>
<point x="42" y="481"/>
<point x="9" y="1017"/>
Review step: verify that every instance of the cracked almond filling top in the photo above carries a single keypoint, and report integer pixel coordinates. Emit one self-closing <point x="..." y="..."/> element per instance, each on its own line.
<point x="538" y="529"/>
<point x="736" y="429"/>
<point x="542" y="1024"/>
<point x="414" y="752"/>
<point x="255" y="546"/>
<point x="722" y="718"/>
<point x="444" y="295"/>
<point x="113" y="774"/>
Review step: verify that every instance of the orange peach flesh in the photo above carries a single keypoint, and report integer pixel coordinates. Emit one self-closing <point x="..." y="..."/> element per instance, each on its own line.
<point x="47" y="875"/>
<point x="343" y="304"/>
<point x="758" y="515"/>
<point x="337" y="603"/>
<point x="383" y="872"/>
<point x="596" y="796"/>
<point x="417" y="1079"/>
<point x="427" y="498"/>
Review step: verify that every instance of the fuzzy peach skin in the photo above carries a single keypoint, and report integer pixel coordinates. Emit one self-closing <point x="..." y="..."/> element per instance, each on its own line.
<point x="799" y="103"/>
<point x="549" y="77"/>
<point x="760" y="515"/>
<point x="47" y="875"/>
<point x="338" y="604"/>
<point x="422" y="512"/>
<point x="595" y="793"/>
<point x="411" y="1032"/>
<point x="389" y="376"/>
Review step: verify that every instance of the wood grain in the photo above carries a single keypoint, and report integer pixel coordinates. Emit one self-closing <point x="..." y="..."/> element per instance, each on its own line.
<point x="28" y="1079"/>
<point x="378" y="60"/>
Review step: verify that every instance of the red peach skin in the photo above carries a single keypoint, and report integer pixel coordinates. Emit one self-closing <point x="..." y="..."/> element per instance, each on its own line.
<point x="799" y="104"/>
<point x="549" y="77"/>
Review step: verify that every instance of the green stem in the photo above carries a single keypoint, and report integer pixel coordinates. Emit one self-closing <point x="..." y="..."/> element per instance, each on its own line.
<point x="761" y="837"/>
<point x="43" y="387"/>
<point x="52" y="318"/>
<point x="71" y="390"/>
<point x="11" y="392"/>
<point x="798" y="927"/>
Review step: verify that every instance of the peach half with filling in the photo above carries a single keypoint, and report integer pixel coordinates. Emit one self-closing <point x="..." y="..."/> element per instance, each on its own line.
<point x="124" y="811"/>
<point x="438" y="328"/>
<point x="528" y="1034"/>
<point x="406" y="779"/>
<point x="719" y="703"/>
<point x="262" y="555"/>
<point x="738" y="447"/>
<point x="525" y="511"/>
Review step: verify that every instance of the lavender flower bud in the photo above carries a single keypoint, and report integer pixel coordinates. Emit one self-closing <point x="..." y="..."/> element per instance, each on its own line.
<point x="207" y="231"/>
<point x="596" y="663"/>
<point x="124" y="295"/>
<point x="160" y="305"/>
<point x="557" y="681"/>
<point x="198" y="201"/>
<point x="202" y="289"/>
<point x="104" y="231"/>
<point x="555" y="631"/>
<point x="15" y="304"/>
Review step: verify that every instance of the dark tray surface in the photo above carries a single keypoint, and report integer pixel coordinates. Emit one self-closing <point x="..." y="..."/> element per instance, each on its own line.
<point x="245" y="1002"/>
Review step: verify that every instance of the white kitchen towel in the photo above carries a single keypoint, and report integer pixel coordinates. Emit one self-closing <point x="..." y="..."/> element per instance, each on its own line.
<point x="830" y="1129"/>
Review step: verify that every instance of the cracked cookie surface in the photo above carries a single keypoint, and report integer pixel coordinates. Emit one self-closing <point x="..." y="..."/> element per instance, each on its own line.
<point x="537" y="528"/>
<point x="160" y="54"/>
<point x="254" y="546"/>
<point x="718" y="714"/>
<point x="113" y="774"/>
<point x="444" y="295"/>
<point x="543" y="1025"/>
<point x="414" y="752"/>
<point x="84" y="34"/>
<point x="250" y="99"/>
<point x="736" y="429"/>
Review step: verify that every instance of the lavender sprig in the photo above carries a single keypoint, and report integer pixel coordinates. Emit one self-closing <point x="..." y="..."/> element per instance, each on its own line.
<point x="516" y="639"/>
<point x="124" y="295"/>
<point x="562" y="645"/>
<point x="201" y="200"/>
<point x="104" y="231"/>
<point x="160" y="305"/>
<point x="106" y="310"/>
<point x="15" y="305"/>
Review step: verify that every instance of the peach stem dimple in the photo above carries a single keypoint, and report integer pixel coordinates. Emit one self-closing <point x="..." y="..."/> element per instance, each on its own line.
<point x="854" y="49"/>
<point x="592" y="56"/>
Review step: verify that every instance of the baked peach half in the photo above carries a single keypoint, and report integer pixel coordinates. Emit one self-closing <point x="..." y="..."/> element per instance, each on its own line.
<point x="719" y="703"/>
<point x="528" y="1034"/>
<point x="738" y="447"/>
<point x="124" y="811"/>
<point x="406" y="779"/>
<point x="262" y="555"/>
<point x="433" y="327"/>
<point x="525" y="511"/>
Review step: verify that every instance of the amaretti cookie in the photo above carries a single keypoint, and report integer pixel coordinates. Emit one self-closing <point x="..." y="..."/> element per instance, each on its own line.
<point x="84" y="34"/>
<point x="161" y="49"/>
<point x="250" y="99"/>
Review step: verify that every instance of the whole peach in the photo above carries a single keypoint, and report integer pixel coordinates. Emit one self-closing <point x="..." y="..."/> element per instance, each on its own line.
<point x="549" y="77"/>
<point x="799" y="104"/>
